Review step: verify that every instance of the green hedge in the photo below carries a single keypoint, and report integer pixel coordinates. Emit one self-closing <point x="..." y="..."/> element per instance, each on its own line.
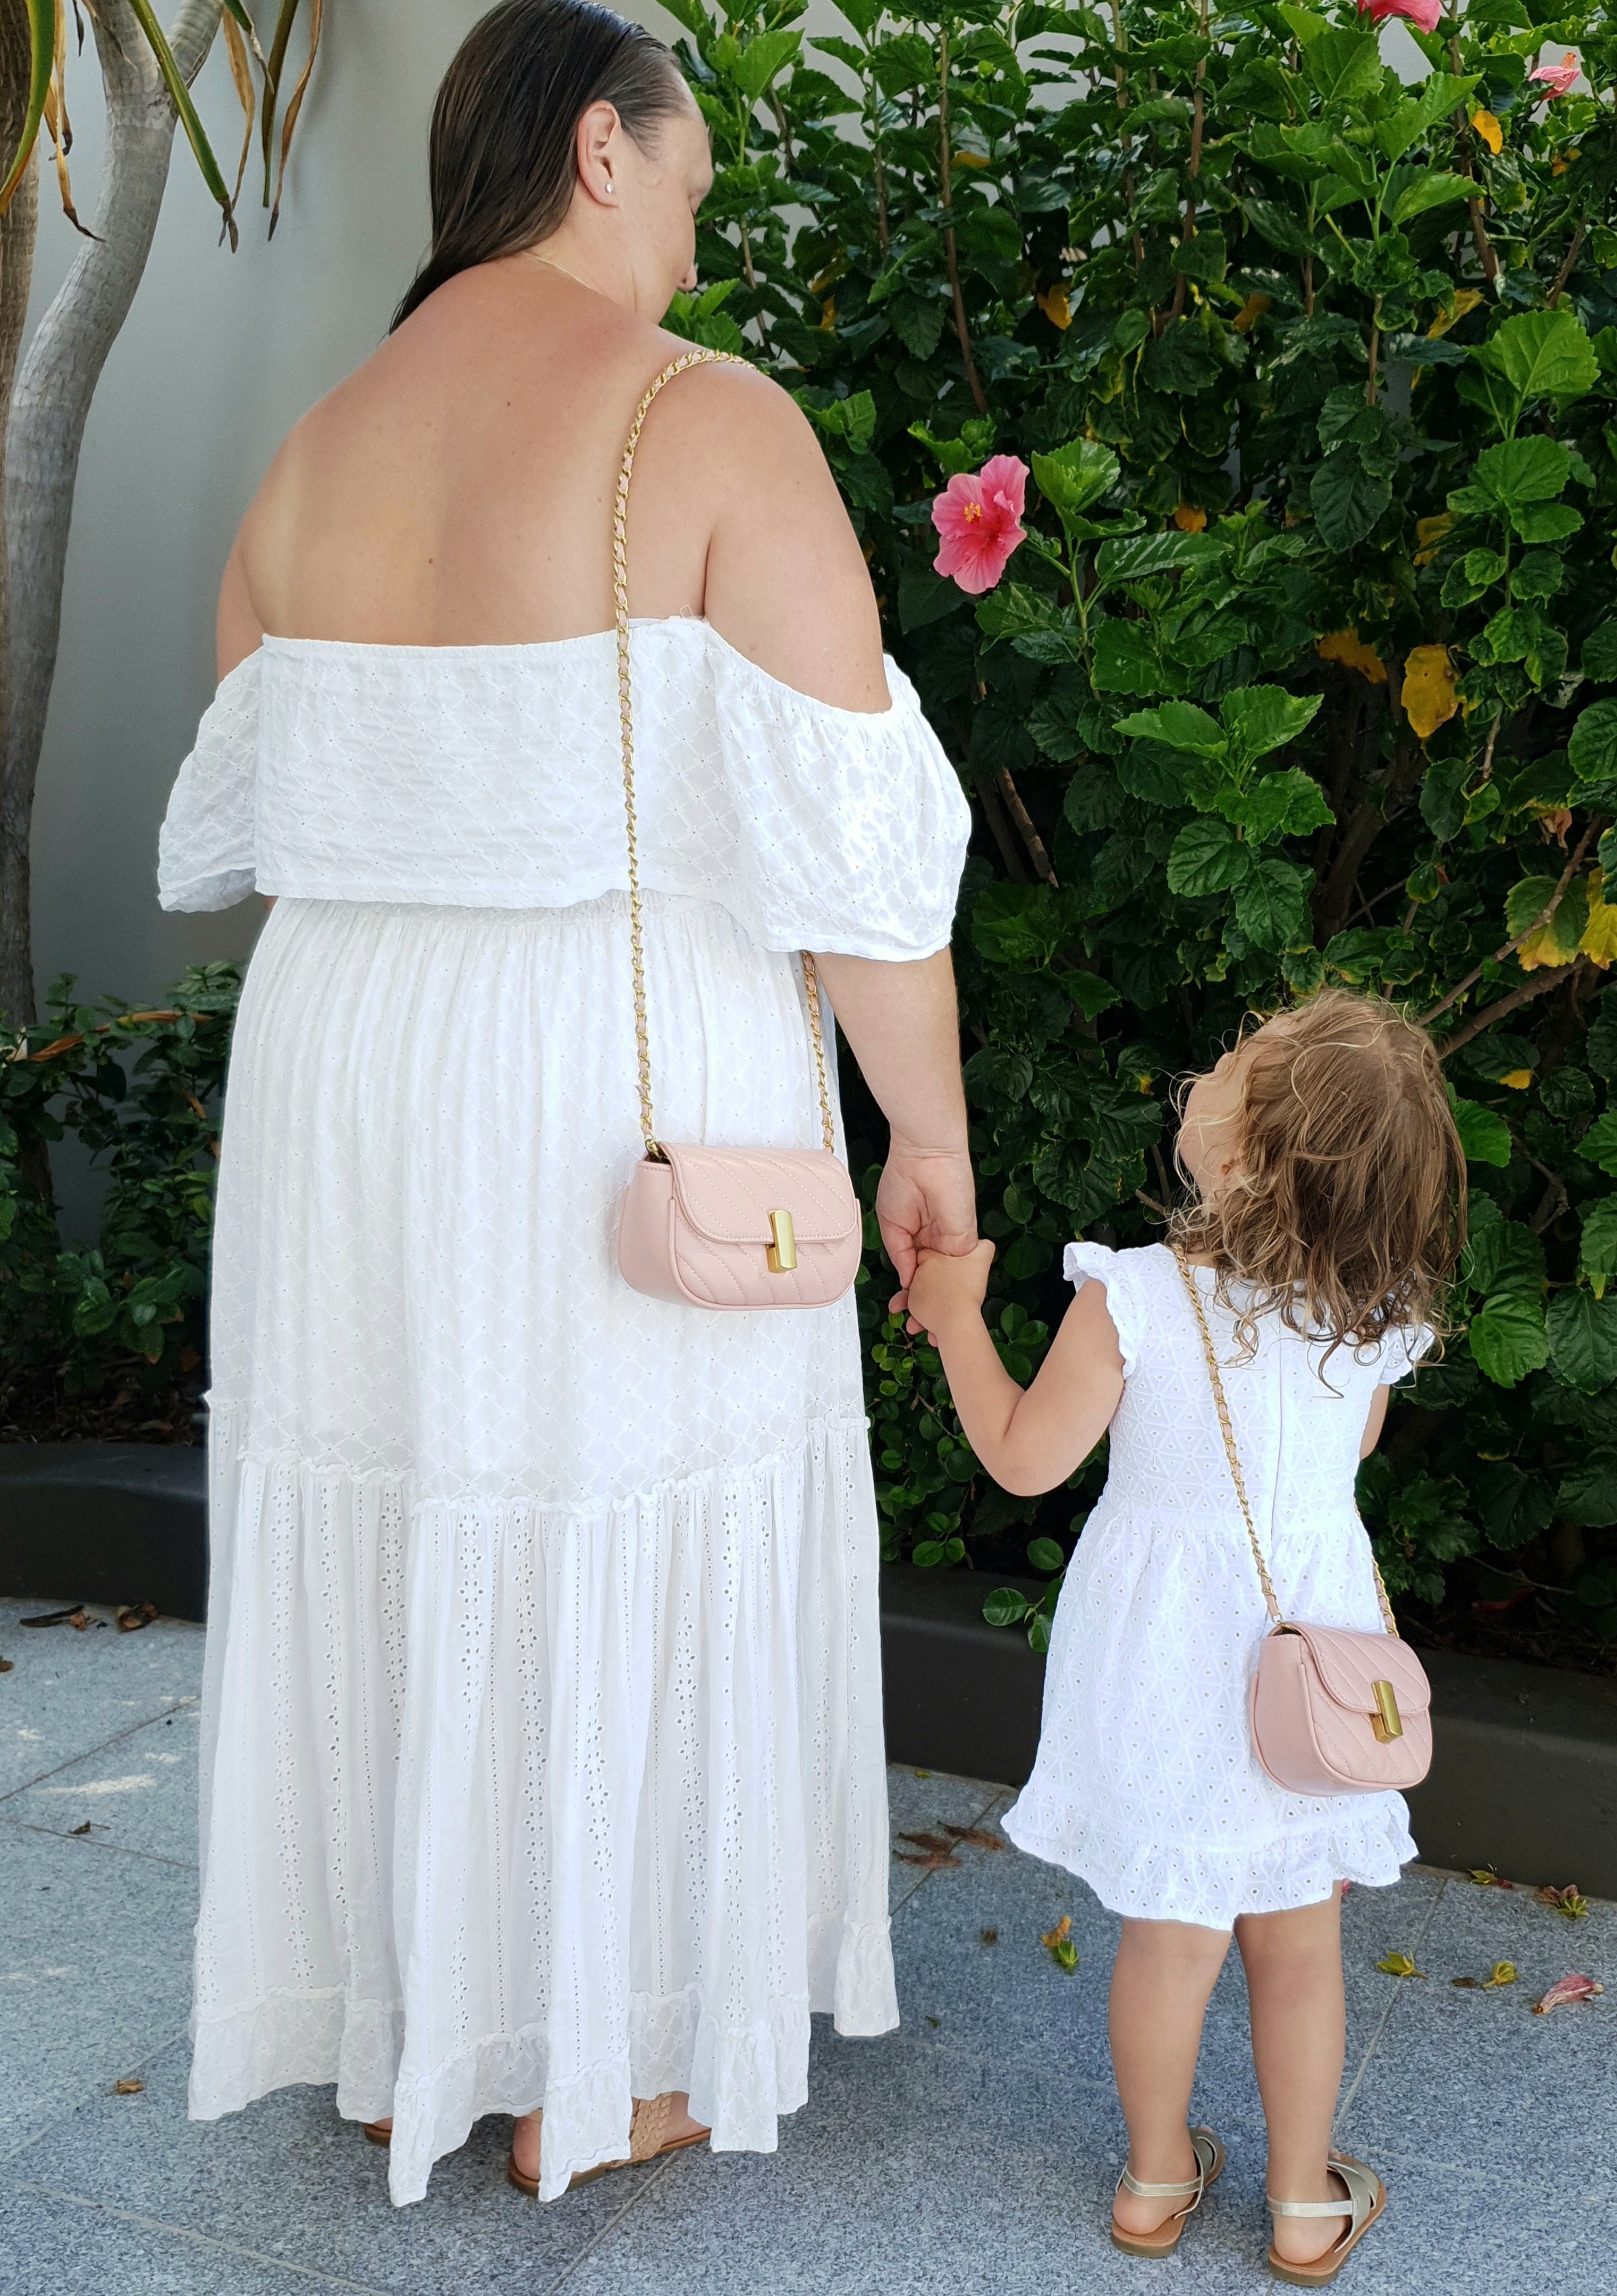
<point x="1307" y="669"/>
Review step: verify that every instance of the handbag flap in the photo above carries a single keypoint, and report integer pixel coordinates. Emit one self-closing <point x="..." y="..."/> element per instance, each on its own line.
<point x="727" y="1194"/>
<point x="1347" y="1664"/>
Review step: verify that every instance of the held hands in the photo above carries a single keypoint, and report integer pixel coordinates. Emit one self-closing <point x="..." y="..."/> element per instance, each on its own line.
<point x="946" y="1284"/>
<point x="926" y="1201"/>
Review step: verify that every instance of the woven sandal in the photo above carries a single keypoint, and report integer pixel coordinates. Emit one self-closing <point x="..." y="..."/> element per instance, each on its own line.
<point x="1210" y="2167"/>
<point x="647" y="2141"/>
<point x="1367" y="2198"/>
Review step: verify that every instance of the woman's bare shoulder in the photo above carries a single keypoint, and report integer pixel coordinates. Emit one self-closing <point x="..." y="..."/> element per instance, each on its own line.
<point x="787" y="584"/>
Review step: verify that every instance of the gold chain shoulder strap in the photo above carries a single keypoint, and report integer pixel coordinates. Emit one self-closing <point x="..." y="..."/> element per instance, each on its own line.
<point x="1237" y="1477"/>
<point x="811" y="980"/>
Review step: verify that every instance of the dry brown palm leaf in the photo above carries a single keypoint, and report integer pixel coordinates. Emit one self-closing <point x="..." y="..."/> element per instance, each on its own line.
<point x="241" y="79"/>
<point x="315" y="19"/>
<point x="975" y="1834"/>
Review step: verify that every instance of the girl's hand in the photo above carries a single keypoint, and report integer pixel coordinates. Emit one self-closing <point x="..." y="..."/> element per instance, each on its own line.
<point x="946" y="1283"/>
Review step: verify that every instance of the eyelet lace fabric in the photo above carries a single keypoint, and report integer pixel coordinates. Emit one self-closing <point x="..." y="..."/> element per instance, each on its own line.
<point x="542" y="1753"/>
<point x="1146" y="1783"/>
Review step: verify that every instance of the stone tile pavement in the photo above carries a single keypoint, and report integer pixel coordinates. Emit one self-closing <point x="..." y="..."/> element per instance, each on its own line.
<point x="972" y="2151"/>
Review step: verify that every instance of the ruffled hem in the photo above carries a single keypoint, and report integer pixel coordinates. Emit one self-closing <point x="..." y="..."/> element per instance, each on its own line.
<point x="471" y="1775"/>
<point x="1155" y="1881"/>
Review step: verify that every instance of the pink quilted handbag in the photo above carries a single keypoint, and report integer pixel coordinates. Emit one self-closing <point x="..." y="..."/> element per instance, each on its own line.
<point x="1333" y="1712"/>
<point x="741" y="1228"/>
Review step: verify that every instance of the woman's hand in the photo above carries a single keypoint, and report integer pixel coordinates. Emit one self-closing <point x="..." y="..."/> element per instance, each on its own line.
<point x="927" y="1202"/>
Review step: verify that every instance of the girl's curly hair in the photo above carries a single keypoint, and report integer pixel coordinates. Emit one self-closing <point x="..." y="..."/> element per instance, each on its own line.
<point x="1346" y="1208"/>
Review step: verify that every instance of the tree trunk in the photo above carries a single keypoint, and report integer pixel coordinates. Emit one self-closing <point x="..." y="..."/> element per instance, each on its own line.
<point x="16" y="274"/>
<point x="49" y="407"/>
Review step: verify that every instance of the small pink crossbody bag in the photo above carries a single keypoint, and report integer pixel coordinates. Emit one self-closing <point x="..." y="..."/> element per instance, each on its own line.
<point x="741" y="1228"/>
<point x="1333" y="1712"/>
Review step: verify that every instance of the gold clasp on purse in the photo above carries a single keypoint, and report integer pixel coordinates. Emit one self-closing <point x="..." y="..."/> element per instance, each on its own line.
<point x="781" y="1258"/>
<point x="1386" y="1721"/>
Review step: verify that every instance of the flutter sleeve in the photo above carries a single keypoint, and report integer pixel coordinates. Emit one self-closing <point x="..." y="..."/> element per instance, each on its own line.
<point x="205" y="855"/>
<point x="1401" y="1348"/>
<point x="1084" y="1261"/>
<point x="852" y="825"/>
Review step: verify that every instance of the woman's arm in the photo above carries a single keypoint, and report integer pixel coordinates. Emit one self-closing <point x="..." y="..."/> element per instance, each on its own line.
<point x="902" y="1022"/>
<point x="1030" y="1440"/>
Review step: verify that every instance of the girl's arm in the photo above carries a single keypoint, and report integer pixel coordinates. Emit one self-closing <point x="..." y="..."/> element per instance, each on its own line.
<point x="1029" y="1440"/>
<point x="1376" y="1421"/>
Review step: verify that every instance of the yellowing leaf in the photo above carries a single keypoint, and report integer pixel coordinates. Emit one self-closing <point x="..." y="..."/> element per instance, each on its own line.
<point x="1600" y="941"/>
<point x="1055" y="307"/>
<point x="1489" y="128"/>
<point x="1188" y="519"/>
<point x="1348" y="648"/>
<point x="1518" y="1079"/>
<point x="1250" y="313"/>
<point x="1429" y="533"/>
<point x="1398" y="1965"/>
<point x="1430" y="699"/>
<point x="1466" y="298"/>
<point x="970" y="159"/>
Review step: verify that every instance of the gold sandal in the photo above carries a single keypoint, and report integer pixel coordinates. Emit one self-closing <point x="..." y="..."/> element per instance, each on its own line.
<point x="1210" y="2167"/>
<point x="1367" y="2198"/>
<point x="647" y="2141"/>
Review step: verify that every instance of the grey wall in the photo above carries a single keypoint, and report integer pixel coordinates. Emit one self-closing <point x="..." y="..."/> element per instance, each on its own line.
<point x="220" y="355"/>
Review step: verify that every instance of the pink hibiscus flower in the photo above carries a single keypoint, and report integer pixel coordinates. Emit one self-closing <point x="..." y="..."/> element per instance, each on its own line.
<point x="980" y="519"/>
<point x="1422" y="13"/>
<point x="1558" y="78"/>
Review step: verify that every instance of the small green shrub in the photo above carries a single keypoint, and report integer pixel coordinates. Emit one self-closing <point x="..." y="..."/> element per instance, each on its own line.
<point x="140" y="1089"/>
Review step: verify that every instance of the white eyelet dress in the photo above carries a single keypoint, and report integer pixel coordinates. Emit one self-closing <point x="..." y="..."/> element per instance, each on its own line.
<point x="1146" y="1783"/>
<point x="543" y="1754"/>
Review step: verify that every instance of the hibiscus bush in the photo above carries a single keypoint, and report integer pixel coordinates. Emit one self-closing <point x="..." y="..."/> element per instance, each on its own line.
<point x="1226" y="402"/>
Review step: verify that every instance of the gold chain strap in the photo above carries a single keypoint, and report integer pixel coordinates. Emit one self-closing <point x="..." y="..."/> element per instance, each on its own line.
<point x="625" y="720"/>
<point x="1237" y="1477"/>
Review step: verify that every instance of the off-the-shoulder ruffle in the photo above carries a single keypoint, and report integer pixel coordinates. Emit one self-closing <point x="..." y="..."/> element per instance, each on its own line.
<point x="490" y="776"/>
<point x="853" y="825"/>
<point x="1082" y="1261"/>
<point x="206" y="851"/>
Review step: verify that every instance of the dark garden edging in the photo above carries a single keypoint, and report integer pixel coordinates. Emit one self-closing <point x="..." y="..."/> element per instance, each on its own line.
<point x="1525" y="1777"/>
<point x="106" y="1522"/>
<point x="1524" y="1769"/>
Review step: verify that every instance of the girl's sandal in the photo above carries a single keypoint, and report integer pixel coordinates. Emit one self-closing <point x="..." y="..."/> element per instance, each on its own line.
<point x="1210" y="2167"/>
<point x="379" y="2132"/>
<point x="647" y="2141"/>
<point x="1367" y="2198"/>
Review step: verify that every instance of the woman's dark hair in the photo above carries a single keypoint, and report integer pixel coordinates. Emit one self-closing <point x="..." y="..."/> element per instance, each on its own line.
<point x="502" y="161"/>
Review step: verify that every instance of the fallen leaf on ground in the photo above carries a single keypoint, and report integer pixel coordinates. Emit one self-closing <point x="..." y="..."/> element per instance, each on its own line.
<point x="976" y="1836"/>
<point x="1565" y="1902"/>
<point x="133" y="1616"/>
<point x="73" y="1618"/>
<point x="926" y="1840"/>
<point x="988" y="1937"/>
<point x="930" y="1858"/>
<point x="1058" y="1944"/>
<point x="6" y="1665"/>
<point x="128" y="2089"/>
<point x="1398" y="1965"/>
<point x="1484" y="1876"/>
<point x="1471" y="1984"/>
<point x="1564" y="1989"/>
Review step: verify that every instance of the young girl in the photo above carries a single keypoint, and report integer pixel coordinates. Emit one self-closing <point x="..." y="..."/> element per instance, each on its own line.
<point x="1328" y="1203"/>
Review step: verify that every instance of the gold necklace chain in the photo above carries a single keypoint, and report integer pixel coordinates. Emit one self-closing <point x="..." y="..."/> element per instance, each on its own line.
<point x="1233" y="1456"/>
<point x="626" y="721"/>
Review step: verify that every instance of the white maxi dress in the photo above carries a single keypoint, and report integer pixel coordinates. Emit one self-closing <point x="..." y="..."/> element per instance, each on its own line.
<point x="1146" y="1783"/>
<point x="543" y="1754"/>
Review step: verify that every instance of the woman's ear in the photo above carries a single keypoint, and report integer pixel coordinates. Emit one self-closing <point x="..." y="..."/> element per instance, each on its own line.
<point x="596" y="144"/>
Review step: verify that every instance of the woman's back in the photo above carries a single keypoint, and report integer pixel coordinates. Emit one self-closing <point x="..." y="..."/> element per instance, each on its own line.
<point x="457" y="491"/>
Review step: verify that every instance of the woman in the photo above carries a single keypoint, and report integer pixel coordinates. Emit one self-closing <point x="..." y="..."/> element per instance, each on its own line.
<point x="544" y="1765"/>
